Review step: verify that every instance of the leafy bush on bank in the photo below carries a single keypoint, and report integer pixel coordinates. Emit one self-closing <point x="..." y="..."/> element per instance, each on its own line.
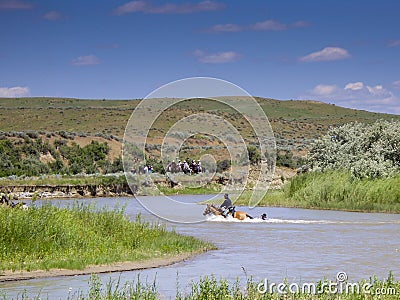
<point x="366" y="150"/>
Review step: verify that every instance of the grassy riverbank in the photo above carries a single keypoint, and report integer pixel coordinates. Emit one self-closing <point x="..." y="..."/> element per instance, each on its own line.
<point x="212" y="188"/>
<point x="209" y="287"/>
<point x="335" y="190"/>
<point x="74" y="238"/>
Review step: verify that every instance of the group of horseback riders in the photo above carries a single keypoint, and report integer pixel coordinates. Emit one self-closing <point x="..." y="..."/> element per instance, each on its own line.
<point x="186" y="166"/>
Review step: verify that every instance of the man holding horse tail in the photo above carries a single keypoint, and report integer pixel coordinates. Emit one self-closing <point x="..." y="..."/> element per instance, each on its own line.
<point x="227" y="207"/>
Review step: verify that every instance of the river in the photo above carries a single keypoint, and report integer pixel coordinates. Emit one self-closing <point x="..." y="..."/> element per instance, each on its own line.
<point x="297" y="244"/>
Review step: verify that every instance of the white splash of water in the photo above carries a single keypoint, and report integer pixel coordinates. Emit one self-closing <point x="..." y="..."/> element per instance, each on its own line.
<point x="287" y="221"/>
<point x="231" y="219"/>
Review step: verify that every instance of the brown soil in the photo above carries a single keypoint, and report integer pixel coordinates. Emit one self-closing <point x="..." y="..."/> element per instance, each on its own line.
<point x="115" y="267"/>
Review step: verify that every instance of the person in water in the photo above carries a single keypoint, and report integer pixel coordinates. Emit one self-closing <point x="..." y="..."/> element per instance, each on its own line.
<point x="226" y="206"/>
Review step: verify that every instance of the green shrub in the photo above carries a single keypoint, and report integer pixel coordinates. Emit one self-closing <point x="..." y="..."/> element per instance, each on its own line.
<point x="366" y="150"/>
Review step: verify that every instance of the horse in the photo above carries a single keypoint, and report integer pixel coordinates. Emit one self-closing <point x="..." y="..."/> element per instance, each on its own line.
<point x="212" y="209"/>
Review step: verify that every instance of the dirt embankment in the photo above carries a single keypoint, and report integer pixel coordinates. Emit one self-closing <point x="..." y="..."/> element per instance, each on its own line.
<point x="67" y="191"/>
<point x="115" y="267"/>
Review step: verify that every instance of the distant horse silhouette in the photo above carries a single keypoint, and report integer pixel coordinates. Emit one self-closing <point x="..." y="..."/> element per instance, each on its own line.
<point x="212" y="209"/>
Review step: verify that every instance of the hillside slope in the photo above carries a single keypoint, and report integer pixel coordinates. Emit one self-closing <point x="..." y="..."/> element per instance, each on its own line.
<point x="295" y="123"/>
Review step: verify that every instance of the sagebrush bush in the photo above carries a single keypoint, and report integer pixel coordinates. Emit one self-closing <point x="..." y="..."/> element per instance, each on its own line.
<point x="367" y="150"/>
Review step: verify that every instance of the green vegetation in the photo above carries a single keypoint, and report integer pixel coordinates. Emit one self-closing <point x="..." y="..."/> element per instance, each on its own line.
<point x="366" y="150"/>
<point x="355" y="167"/>
<point x="72" y="238"/>
<point x="339" y="190"/>
<point x="254" y="155"/>
<point x="272" y="198"/>
<point x="336" y="190"/>
<point x="285" y="158"/>
<point x="33" y="157"/>
<point x="211" y="188"/>
<point x="211" y="288"/>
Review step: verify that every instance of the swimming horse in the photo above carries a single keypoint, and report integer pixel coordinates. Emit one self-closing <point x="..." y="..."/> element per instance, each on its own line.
<point x="212" y="209"/>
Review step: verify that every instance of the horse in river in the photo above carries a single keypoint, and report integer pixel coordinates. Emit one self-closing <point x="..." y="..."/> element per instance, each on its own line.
<point x="216" y="211"/>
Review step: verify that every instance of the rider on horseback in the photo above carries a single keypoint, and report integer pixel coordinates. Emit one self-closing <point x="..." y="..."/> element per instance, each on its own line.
<point x="226" y="206"/>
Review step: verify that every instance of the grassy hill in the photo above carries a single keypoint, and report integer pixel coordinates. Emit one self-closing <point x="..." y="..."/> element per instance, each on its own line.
<point x="295" y="123"/>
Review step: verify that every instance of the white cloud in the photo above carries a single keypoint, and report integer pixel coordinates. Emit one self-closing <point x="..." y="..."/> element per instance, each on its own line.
<point x="269" y="25"/>
<point x="301" y="24"/>
<point x="394" y="43"/>
<point x="15" y="4"/>
<point x="323" y="89"/>
<point x="357" y="95"/>
<point x="326" y="54"/>
<point x="130" y="7"/>
<point x="225" y="28"/>
<point x="85" y="60"/>
<point x="14" y="92"/>
<point x="53" y="15"/>
<point x="169" y="8"/>
<point x="354" y="86"/>
<point x="216" y="58"/>
<point x="396" y="84"/>
<point x="376" y="90"/>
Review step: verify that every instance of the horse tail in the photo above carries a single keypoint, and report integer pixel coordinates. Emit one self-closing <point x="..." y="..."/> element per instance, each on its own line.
<point x="250" y="217"/>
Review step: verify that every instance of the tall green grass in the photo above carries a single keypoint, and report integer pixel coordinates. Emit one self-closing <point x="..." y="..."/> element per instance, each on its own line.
<point x="339" y="190"/>
<point x="211" y="288"/>
<point x="211" y="188"/>
<point x="72" y="238"/>
<point x="336" y="190"/>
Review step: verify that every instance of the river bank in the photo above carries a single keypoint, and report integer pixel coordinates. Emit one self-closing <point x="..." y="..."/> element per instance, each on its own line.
<point x="80" y="239"/>
<point x="98" y="269"/>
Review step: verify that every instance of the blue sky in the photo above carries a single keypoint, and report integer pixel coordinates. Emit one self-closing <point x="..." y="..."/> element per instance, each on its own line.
<point x="342" y="52"/>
